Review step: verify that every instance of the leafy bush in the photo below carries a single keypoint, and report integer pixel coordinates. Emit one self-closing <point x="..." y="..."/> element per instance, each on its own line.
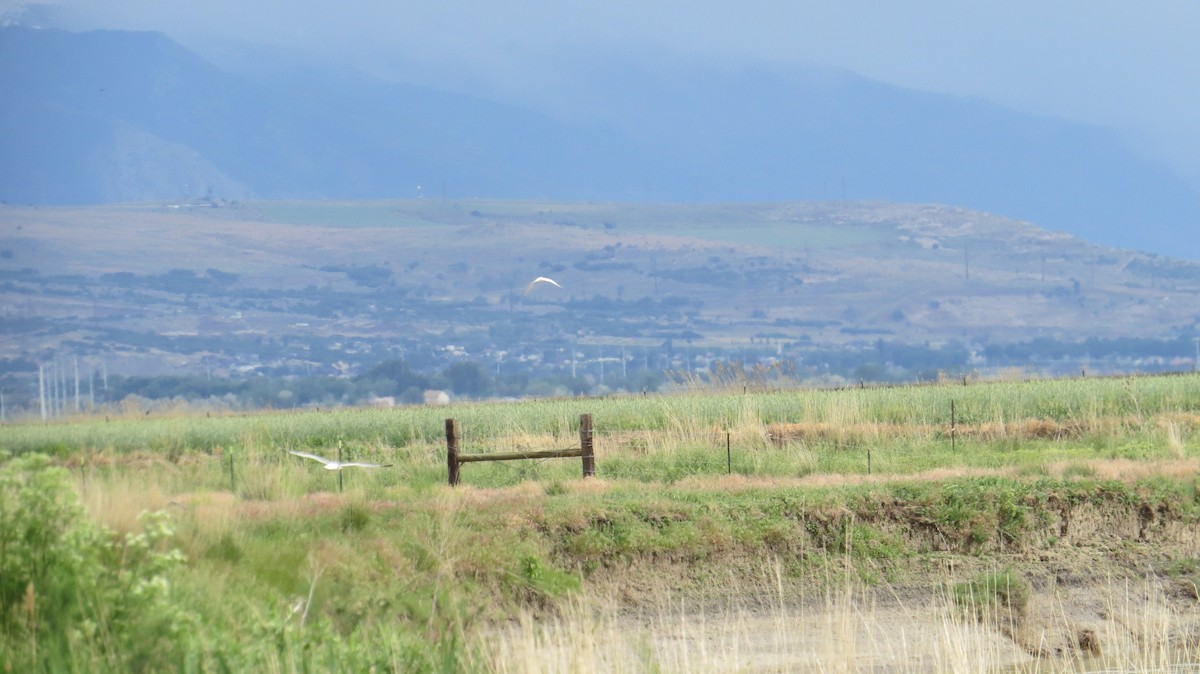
<point x="38" y="517"/>
<point x="75" y="596"/>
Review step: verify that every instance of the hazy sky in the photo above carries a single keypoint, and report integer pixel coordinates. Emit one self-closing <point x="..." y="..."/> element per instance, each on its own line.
<point x="1129" y="65"/>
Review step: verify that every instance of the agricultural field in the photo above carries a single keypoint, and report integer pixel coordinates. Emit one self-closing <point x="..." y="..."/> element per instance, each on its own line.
<point x="1033" y="526"/>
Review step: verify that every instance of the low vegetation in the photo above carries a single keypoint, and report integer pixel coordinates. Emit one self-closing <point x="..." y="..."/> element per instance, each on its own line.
<point x="199" y="544"/>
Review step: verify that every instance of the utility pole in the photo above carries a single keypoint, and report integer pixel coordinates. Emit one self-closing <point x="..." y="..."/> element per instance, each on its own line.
<point x="75" y="365"/>
<point x="42" y="390"/>
<point x="54" y="391"/>
<point x="60" y="388"/>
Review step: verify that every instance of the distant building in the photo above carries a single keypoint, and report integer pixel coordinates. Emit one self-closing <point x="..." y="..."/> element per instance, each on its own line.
<point x="382" y="401"/>
<point x="437" y="398"/>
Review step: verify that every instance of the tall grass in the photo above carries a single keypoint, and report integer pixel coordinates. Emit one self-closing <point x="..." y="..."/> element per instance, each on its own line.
<point x="666" y="437"/>
<point x="396" y="571"/>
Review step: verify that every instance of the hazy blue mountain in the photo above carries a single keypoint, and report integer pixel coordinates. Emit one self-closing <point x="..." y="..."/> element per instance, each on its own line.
<point x="111" y="116"/>
<point x="82" y="102"/>
<point x="763" y="132"/>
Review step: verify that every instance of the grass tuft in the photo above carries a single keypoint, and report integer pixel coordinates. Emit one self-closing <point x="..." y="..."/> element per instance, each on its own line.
<point x="997" y="593"/>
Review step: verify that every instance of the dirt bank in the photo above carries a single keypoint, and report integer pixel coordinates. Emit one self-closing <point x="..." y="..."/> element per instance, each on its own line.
<point x="1073" y="620"/>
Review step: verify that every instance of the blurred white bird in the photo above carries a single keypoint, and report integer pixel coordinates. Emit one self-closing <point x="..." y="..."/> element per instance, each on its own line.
<point x="540" y="279"/>
<point x="338" y="465"/>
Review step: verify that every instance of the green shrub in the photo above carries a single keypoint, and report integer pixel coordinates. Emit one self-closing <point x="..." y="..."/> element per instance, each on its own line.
<point x="39" y="518"/>
<point x="73" y="596"/>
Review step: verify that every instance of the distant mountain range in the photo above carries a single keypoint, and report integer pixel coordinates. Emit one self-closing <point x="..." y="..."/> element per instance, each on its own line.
<point x="111" y="116"/>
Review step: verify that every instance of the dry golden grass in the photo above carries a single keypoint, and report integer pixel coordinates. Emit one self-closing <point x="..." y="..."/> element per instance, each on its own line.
<point x="856" y="433"/>
<point x="1022" y="429"/>
<point x="117" y="506"/>
<point x="1127" y="470"/>
<point x="1123" y="470"/>
<point x="1111" y="624"/>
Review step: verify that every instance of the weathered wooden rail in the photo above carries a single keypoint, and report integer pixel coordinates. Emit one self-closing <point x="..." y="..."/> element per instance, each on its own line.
<point x="585" y="450"/>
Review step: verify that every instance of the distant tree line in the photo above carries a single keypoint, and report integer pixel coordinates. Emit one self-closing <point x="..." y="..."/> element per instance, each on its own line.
<point x="405" y="380"/>
<point x="1044" y="349"/>
<point x="393" y="378"/>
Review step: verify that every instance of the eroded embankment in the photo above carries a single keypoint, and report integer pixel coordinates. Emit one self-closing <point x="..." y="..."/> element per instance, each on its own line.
<point x="890" y="575"/>
<point x="765" y="553"/>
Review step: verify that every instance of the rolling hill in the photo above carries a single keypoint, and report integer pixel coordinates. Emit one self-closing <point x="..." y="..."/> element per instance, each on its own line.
<point x="287" y="288"/>
<point x="111" y="116"/>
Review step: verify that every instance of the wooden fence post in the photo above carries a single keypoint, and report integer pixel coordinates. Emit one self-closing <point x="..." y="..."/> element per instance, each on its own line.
<point x="232" y="479"/>
<point x="452" y="450"/>
<point x="586" y="450"/>
<point x="728" y="456"/>
<point x="953" y="430"/>
<point x="585" y="443"/>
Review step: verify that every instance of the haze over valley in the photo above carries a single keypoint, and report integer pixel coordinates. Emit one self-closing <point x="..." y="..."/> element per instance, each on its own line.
<point x="258" y="218"/>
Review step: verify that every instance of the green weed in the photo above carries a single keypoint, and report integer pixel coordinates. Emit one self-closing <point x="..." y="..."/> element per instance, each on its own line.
<point x="992" y="593"/>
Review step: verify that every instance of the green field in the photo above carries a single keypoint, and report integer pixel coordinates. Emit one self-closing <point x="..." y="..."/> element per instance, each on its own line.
<point x="258" y="560"/>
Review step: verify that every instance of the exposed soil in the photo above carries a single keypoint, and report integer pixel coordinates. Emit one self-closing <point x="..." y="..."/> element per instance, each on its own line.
<point x="1086" y="612"/>
<point x="1085" y="624"/>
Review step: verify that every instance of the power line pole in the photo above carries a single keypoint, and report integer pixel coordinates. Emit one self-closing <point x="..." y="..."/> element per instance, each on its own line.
<point x="54" y="390"/>
<point x="42" y="390"/>
<point x="75" y="365"/>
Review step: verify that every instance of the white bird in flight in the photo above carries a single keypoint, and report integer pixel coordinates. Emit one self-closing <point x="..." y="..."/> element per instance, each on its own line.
<point x="540" y="279"/>
<point x="338" y="465"/>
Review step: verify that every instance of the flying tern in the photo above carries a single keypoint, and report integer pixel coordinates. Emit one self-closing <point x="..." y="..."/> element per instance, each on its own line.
<point x="540" y="279"/>
<point x="338" y="465"/>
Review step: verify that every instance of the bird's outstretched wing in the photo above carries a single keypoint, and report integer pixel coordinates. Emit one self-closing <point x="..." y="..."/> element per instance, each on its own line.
<point x="366" y="465"/>
<point x="540" y="279"/>
<point x="314" y="457"/>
